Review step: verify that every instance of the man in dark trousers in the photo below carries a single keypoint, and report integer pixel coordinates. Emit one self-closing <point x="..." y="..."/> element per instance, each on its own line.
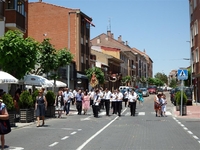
<point x="79" y="98"/>
<point x="107" y="96"/>
<point x="96" y="103"/>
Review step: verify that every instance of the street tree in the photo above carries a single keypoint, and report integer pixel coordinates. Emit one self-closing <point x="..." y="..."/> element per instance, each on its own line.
<point x="162" y="77"/>
<point x="50" y="59"/>
<point x="173" y="83"/>
<point x="17" y="55"/>
<point x="125" y="80"/>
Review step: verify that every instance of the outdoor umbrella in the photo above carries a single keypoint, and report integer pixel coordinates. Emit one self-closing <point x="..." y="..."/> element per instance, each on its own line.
<point x="37" y="80"/>
<point x="59" y="83"/>
<point x="6" y="78"/>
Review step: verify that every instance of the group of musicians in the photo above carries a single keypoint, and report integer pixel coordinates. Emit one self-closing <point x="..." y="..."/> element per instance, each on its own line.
<point x="101" y="99"/>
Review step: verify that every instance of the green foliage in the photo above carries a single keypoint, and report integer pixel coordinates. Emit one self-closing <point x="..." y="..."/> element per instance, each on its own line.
<point x="8" y="101"/>
<point x="178" y="98"/>
<point x="98" y="72"/>
<point x="25" y="100"/>
<point x="162" y="77"/>
<point x="125" y="80"/>
<point x="17" y="55"/>
<point x="155" y="81"/>
<point x="173" y="83"/>
<point x="50" y="96"/>
<point x="34" y="95"/>
<point x="50" y="59"/>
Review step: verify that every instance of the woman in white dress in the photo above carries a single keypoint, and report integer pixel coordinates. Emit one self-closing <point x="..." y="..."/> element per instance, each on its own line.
<point x="59" y="103"/>
<point x="163" y="106"/>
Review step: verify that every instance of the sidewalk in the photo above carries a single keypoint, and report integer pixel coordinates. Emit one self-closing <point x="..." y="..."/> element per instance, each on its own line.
<point x="193" y="112"/>
<point x="20" y="125"/>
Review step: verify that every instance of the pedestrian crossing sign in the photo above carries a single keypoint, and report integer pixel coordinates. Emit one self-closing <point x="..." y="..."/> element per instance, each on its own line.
<point x="182" y="74"/>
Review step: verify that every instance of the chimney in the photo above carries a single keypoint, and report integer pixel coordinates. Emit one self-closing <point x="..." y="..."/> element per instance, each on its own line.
<point x="120" y="38"/>
<point x="40" y="0"/>
<point x="126" y="43"/>
<point x="112" y="35"/>
<point x="109" y="33"/>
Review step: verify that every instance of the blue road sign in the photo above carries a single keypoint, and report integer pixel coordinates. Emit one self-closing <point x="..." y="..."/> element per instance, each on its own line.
<point x="182" y="74"/>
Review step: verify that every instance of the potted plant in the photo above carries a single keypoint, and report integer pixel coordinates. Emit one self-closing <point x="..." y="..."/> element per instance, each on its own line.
<point x="8" y="101"/>
<point x="178" y="102"/>
<point x="26" y="107"/>
<point x="50" y="97"/>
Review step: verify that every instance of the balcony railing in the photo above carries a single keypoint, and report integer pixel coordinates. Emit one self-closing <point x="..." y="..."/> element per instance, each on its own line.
<point x="15" y="18"/>
<point x="1" y="10"/>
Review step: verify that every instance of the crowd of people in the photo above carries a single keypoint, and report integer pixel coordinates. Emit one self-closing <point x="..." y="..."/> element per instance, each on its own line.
<point x="97" y="99"/>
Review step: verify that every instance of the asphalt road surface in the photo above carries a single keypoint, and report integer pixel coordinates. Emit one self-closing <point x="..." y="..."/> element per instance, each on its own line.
<point x="145" y="131"/>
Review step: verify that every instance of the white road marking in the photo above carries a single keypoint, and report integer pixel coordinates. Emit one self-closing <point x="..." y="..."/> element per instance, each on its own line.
<point x="141" y="113"/>
<point x="64" y="138"/>
<point x="97" y="133"/>
<point x="199" y="142"/>
<point x="168" y="113"/>
<point x="195" y="137"/>
<point x="16" y="148"/>
<point x="185" y="128"/>
<point x="55" y="143"/>
<point x="190" y="132"/>
<point x="73" y="133"/>
<point x="102" y="113"/>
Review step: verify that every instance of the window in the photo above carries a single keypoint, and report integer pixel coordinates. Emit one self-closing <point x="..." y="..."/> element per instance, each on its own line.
<point x="195" y="4"/>
<point x="81" y="40"/>
<point x="20" y="6"/>
<point x="197" y="54"/>
<point x="196" y="27"/>
<point x="10" y="4"/>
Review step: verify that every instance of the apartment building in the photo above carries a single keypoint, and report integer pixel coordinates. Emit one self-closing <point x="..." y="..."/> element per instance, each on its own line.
<point x="13" y="16"/>
<point x="136" y="64"/>
<point x="194" y="45"/>
<point x="106" y="59"/>
<point x="108" y="41"/>
<point x="66" y="28"/>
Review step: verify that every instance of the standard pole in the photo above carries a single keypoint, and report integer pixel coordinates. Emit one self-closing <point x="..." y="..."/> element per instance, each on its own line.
<point x="181" y="109"/>
<point x="68" y="66"/>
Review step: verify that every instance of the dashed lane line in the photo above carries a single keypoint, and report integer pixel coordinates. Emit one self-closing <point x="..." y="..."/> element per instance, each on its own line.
<point x="53" y="144"/>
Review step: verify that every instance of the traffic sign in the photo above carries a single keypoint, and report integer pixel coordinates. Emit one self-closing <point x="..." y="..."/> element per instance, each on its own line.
<point x="182" y="74"/>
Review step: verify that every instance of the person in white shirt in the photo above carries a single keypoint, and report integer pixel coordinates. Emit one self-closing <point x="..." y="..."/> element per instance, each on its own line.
<point x="132" y="99"/>
<point x="96" y="103"/>
<point x="74" y="93"/>
<point x="126" y="95"/>
<point x="119" y="102"/>
<point x="67" y="99"/>
<point x="91" y="93"/>
<point x="107" y="96"/>
<point x="113" y="100"/>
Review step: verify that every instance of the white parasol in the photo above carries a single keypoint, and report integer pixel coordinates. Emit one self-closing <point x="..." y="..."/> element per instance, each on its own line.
<point x="6" y="78"/>
<point x="37" y="80"/>
<point x="59" y="83"/>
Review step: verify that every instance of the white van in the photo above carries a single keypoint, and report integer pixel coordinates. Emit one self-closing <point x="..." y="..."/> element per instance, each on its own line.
<point x="123" y="89"/>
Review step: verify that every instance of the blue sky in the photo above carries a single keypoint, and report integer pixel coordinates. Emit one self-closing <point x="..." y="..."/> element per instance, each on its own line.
<point x="161" y="27"/>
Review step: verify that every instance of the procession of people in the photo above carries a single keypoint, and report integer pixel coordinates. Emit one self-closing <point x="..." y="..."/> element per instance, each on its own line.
<point x="96" y="99"/>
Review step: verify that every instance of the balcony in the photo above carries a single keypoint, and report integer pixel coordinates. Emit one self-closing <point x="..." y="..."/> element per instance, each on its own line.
<point x="14" y="20"/>
<point x="1" y="10"/>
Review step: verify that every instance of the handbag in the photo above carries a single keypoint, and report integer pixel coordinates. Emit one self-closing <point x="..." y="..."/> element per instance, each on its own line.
<point x="5" y="127"/>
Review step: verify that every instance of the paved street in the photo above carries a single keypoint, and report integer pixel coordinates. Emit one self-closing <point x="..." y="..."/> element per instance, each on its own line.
<point x="84" y="132"/>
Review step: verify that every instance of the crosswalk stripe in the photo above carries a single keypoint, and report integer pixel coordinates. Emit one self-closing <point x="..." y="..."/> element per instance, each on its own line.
<point x="141" y="113"/>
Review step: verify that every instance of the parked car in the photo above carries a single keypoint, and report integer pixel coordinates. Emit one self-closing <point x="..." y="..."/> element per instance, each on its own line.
<point x="152" y="90"/>
<point x="145" y="92"/>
